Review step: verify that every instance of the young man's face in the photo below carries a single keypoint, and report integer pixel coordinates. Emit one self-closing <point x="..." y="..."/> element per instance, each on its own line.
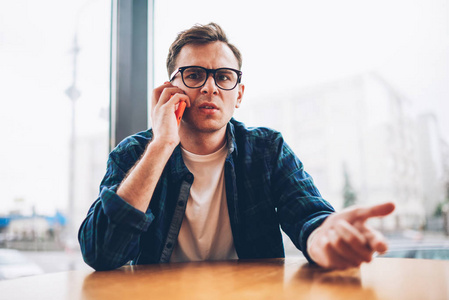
<point x="211" y="107"/>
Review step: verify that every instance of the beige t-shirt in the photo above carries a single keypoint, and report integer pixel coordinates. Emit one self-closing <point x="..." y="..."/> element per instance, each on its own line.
<point x="205" y="232"/>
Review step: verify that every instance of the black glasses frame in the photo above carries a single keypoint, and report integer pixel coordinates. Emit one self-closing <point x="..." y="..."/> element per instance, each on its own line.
<point x="208" y="71"/>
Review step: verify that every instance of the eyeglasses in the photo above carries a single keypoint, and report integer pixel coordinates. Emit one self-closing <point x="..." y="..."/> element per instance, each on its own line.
<point x="195" y="77"/>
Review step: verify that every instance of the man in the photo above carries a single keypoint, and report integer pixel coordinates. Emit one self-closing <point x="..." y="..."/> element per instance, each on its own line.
<point x="210" y="188"/>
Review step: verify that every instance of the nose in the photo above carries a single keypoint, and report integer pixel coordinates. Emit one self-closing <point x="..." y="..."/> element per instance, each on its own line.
<point x="209" y="87"/>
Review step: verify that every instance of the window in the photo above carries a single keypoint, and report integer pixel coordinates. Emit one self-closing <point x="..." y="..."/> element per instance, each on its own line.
<point x="54" y="122"/>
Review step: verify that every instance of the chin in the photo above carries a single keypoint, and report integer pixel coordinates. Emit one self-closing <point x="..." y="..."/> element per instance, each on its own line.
<point x="209" y="126"/>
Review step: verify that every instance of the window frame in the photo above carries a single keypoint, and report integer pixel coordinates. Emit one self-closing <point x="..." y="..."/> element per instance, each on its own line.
<point x="131" y="56"/>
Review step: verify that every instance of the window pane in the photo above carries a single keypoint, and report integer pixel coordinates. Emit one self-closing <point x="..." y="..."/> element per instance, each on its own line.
<point x="54" y="66"/>
<point x="359" y="95"/>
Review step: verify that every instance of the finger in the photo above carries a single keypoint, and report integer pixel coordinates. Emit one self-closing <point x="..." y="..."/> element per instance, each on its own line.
<point x="157" y="93"/>
<point x="346" y="250"/>
<point x="353" y="239"/>
<point x="176" y="99"/>
<point x="169" y="93"/>
<point x="364" y="213"/>
<point x="324" y="254"/>
<point x="349" y="232"/>
<point x="376" y="240"/>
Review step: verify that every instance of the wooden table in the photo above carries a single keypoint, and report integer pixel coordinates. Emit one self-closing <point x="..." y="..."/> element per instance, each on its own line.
<point x="384" y="278"/>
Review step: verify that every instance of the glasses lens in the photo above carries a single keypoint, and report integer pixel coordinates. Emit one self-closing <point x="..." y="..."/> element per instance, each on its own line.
<point x="194" y="77"/>
<point x="226" y="78"/>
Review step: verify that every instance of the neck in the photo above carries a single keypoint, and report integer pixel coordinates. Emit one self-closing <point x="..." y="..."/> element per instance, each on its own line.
<point x="203" y="143"/>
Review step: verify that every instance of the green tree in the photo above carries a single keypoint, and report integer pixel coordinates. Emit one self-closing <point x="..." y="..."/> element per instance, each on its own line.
<point x="439" y="210"/>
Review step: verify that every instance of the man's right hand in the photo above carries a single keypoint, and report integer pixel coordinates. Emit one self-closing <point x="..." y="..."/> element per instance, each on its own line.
<point x="138" y="186"/>
<point x="164" y="102"/>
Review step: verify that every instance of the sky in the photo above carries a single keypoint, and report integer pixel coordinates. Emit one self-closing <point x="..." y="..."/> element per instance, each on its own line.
<point x="298" y="44"/>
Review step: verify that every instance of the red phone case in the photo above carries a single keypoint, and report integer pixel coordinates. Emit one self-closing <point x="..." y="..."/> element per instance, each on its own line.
<point x="180" y="111"/>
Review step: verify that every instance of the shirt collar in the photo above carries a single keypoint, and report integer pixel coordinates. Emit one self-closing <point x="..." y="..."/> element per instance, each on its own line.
<point x="230" y="131"/>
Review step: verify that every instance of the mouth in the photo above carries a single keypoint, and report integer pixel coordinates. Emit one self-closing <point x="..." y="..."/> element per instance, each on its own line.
<point x="210" y="106"/>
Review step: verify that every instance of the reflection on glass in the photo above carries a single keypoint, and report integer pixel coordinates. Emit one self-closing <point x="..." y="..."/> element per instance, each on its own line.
<point x="54" y="69"/>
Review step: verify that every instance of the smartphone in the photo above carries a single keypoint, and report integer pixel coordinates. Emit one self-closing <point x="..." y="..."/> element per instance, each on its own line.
<point x="180" y="111"/>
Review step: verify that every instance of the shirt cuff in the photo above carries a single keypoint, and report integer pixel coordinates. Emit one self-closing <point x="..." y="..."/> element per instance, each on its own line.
<point x="121" y="212"/>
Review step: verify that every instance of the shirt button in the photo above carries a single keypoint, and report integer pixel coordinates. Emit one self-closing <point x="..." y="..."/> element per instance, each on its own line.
<point x="169" y="245"/>
<point x="181" y="203"/>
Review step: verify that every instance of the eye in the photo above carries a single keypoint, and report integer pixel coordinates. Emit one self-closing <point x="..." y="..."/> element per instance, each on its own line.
<point x="224" y="75"/>
<point x="194" y="74"/>
<point x="191" y="76"/>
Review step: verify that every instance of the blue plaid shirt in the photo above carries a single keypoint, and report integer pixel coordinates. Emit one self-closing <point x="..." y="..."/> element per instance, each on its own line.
<point x="266" y="188"/>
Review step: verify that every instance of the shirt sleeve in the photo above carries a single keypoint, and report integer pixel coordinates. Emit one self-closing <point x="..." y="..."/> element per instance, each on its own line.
<point x="301" y="208"/>
<point x="109" y="235"/>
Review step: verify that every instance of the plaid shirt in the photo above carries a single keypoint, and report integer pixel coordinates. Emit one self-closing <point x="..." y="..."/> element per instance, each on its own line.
<point x="266" y="188"/>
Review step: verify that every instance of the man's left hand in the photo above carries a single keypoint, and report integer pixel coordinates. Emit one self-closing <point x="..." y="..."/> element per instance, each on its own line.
<point x="344" y="240"/>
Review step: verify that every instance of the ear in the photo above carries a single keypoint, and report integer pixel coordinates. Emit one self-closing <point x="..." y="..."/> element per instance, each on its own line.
<point x="240" y="95"/>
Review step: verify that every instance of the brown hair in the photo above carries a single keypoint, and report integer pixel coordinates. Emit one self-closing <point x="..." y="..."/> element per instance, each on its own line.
<point x="199" y="34"/>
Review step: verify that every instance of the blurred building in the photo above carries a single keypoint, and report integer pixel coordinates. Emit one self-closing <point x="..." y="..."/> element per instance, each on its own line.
<point x="32" y="232"/>
<point x="363" y="130"/>
<point x="433" y="163"/>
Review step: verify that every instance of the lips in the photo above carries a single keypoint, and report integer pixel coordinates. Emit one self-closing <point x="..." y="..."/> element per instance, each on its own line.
<point x="208" y="106"/>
